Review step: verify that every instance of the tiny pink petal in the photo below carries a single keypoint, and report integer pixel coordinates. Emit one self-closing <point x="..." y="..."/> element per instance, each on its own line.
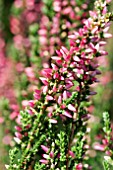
<point x="45" y="148"/>
<point x="71" y="108"/>
<point x="67" y="114"/>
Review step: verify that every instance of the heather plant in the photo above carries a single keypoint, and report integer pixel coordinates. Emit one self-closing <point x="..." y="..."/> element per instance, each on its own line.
<point x="54" y="131"/>
<point x="24" y="23"/>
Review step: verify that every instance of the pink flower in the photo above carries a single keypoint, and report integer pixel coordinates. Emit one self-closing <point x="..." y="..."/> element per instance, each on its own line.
<point x="71" y="154"/>
<point x="79" y="166"/>
<point x="25" y="103"/>
<point x="99" y="147"/>
<point x="18" y="128"/>
<point x="51" y="154"/>
<point x="49" y="97"/>
<point x="54" y="121"/>
<point x="18" y="135"/>
<point x="44" y="80"/>
<point x="67" y="114"/>
<point x="107" y="35"/>
<point x="45" y="148"/>
<point x="71" y="108"/>
<point x="44" y="161"/>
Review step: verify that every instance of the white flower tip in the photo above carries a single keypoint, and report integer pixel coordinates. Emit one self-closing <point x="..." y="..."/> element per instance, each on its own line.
<point x="17" y="140"/>
<point x="7" y="166"/>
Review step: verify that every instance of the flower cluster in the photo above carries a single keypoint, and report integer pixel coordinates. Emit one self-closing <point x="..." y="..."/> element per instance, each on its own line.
<point x="53" y="130"/>
<point x="25" y="21"/>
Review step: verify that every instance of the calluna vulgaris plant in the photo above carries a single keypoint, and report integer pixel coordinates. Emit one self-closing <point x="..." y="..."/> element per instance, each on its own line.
<point x="25" y="22"/>
<point x="54" y="133"/>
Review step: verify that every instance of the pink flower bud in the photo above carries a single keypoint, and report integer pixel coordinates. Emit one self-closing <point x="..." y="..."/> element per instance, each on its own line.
<point x="54" y="67"/>
<point x="18" y="135"/>
<point x="30" y="112"/>
<point x="67" y="114"/>
<point x="104" y="10"/>
<point x="51" y="154"/>
<point x="31" y="103"/>
<point x="45" y="89"/>
<point x="50" y="115"/>
<point x="107" y="35"/>
<point x="63" y="106"/>
<point x="59" y="100"/>
<point x="99" y="147"/>
<point x="49" y="97"/>
<point x="71" y="154"/>
<point x="54" y="121"/>
<point x="18" y="128"/>
<point x="45" y="156"/>
<point x="44" y="80"/>
<point x="65" y="95"/>
<point x="79" y="166"/>
<point x="56" y="75"/>
<point x="71" y="108"/>
<point x="45" y="148"/>
<point x="47" y="72"/>
<point x="44" y="161"/>
<point x="105" y="141"/>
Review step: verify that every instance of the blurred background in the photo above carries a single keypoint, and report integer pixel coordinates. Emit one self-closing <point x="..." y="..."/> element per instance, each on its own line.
<point x="30" y="31"/>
